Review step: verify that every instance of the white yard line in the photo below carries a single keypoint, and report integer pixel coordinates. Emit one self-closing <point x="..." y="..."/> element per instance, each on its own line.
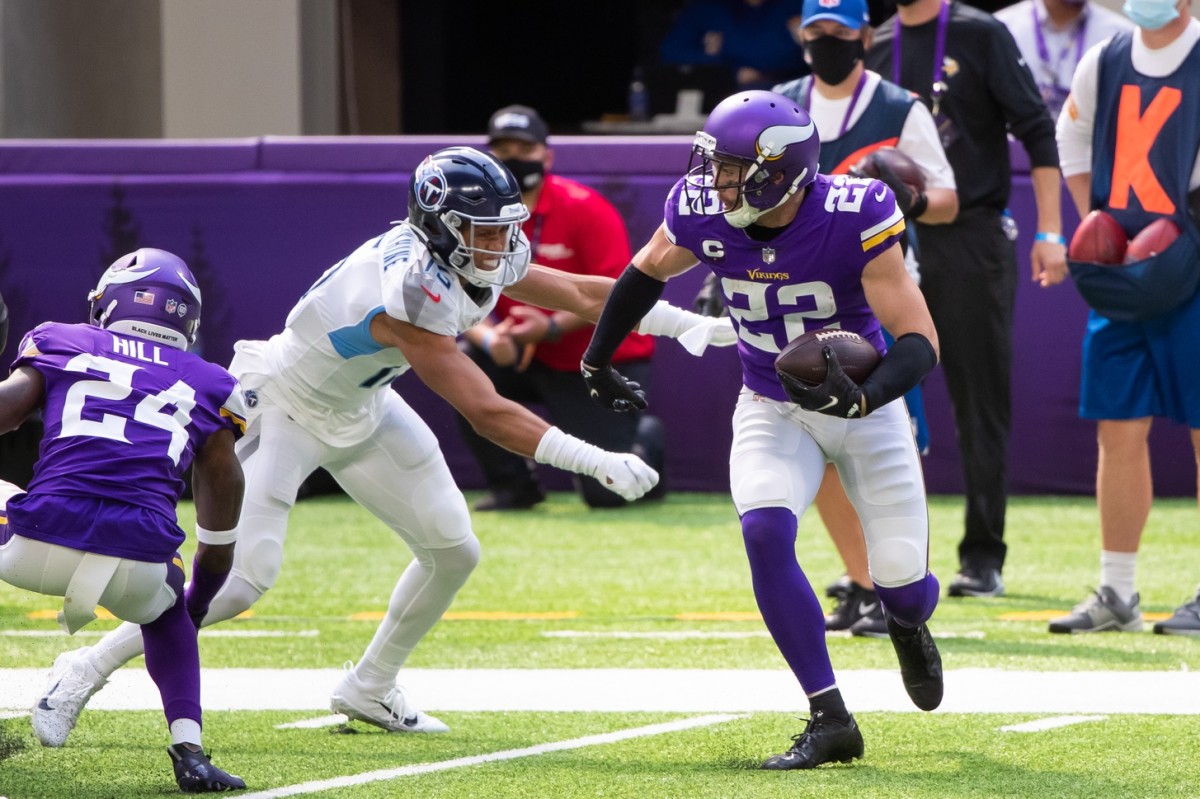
<point x="658" y="690"/>
<point x="1051" y="723"/>
<point x="509" y="754"/>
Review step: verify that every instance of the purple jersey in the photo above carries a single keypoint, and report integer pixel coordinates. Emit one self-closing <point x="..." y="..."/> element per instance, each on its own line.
<point x="124" y="418"/>
<point x="807" y="277"/>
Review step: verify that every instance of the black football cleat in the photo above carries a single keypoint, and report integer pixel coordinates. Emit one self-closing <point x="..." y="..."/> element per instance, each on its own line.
<point x="920" y="663"/>
<point x="195" y="773"/>
<point x="824" y="740"/>
<point x="856" y="602"/>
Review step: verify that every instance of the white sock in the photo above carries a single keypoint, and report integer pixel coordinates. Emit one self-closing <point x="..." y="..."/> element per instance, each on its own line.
<point x="185" y="731"/>
<point x="116" y="648"/>
<point x="420" y="598"/>
<point x="1116" y="571"/>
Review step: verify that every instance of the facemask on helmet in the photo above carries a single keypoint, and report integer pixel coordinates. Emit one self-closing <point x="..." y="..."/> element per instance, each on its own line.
<point x="150" y="294"/>
<point x="466" y="206"/>
<point x="760" y="143"/>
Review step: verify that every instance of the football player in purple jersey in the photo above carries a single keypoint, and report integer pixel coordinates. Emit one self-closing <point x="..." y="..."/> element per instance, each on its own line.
<point x="126" y="411"/>
<point x="796" y="250"/>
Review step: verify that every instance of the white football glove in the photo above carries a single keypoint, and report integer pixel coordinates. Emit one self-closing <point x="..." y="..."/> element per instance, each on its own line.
<point x="710" y="333"/>
<point x="695" y="332"/>
<point x="623" y="473"/>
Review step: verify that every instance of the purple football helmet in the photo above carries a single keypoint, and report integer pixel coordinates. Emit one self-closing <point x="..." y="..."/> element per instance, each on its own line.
<point x="454" y="192"/>
<point x="770" y="138"/>
<point x="150" y="294"/>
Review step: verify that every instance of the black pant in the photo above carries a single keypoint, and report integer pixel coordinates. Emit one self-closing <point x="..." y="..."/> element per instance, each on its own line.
<point x="571" y="409"/>
<point x="969" y="279"/>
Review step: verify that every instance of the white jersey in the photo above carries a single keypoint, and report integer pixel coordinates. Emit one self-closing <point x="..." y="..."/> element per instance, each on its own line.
<point x="324" y="369"/>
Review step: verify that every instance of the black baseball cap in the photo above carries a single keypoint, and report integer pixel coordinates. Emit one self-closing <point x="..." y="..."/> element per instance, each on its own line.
<point x="517" y="122"/>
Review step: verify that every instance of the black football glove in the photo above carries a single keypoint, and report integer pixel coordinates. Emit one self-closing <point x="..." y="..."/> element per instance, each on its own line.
<point x="837" y="396"/>
<point x="606" y="387"/>
<point x="709" y="301"/>
<point x="910" y="202"/>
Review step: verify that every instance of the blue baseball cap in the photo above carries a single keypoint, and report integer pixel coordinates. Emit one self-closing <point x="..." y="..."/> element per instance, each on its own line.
<point x="851" y="13"/>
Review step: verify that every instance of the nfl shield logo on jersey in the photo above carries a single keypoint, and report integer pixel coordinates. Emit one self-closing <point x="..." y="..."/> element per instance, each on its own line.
<point x="768" y="255"/>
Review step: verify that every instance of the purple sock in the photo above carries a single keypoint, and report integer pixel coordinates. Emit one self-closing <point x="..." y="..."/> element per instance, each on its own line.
<point x="911" y="604"/>
<point x="786" y="600"/>
<point x="173" y="657"/>
<point x="201" y="590"/>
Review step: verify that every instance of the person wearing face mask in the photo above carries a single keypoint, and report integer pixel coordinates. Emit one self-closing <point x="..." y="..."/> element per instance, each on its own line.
<point x="1053" y="35"/>
<point x="965" y="67"/>
<point x="531" y="354"/>
<point x="856" y="112"/>
<point x="1129" y="139"/>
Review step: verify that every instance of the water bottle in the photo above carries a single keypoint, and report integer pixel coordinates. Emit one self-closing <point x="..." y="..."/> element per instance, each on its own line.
<point x="1009" y="225"/>
<point x="639" y="98"/>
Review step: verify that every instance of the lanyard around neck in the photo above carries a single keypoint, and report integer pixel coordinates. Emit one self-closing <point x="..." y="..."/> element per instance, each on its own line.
<point x="938" y="88"/>
<point x="862" y="81"/>
<point x="1044" y="51"/>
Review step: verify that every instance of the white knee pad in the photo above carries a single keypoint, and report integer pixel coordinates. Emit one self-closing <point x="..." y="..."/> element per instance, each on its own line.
<point x="896" y="560"/>
<point x="236" y="596"/>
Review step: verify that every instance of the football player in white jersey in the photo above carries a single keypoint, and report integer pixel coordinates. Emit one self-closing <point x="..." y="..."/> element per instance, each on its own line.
<point x="322" y="398"/>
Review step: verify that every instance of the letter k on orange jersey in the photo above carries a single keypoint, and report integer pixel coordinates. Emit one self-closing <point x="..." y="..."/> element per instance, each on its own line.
<point x="1136" y="134"/>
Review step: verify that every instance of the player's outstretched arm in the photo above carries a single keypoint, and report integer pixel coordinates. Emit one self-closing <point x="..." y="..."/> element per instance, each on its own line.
<point x="217" y="487"/>
<point x="20" y="395"/>
<point x="453" y="376"/>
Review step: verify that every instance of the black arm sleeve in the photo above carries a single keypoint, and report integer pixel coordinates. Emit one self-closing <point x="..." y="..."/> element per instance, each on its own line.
<point x="633" y="296"/>
<point x="910" y="359"/>
<point x="3" y="323"/>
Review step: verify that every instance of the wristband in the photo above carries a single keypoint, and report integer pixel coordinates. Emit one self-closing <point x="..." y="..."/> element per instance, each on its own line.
<point x="214" y="537"/>
<point x="919" y="207"/>
<point x="553" y="331"/>
<point x="485" y="342"/>
<point x="1052" y="238"/>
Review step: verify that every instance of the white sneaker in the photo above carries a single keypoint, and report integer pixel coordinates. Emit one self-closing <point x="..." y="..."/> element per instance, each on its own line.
<point x="72" y="682"/>
<point x="389" y="710"/>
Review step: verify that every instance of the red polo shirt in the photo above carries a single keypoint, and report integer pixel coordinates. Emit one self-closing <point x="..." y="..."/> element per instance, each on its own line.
<point x="573" y="228"/>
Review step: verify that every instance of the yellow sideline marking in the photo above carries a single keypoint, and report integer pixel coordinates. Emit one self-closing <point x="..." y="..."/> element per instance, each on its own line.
<point x="482" y="615"/>
<point x="727" y="615"/>
<point x="1048" y="615"/>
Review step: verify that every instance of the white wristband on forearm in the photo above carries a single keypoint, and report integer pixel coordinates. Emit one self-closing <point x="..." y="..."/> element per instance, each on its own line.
<point x="666" y="319"/>
<point x="695" y="332"/>
<point x="568" y="452"/>
<point x="215" y="538"/>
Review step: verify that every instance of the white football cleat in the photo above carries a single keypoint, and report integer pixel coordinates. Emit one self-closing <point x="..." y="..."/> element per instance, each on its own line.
<point x="389" y="710"/>
<point x="72" y="682"/>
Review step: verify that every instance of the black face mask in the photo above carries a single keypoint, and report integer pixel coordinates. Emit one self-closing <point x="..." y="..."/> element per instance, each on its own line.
<point x="833" y="59"/>
<point x="529" y="174"/>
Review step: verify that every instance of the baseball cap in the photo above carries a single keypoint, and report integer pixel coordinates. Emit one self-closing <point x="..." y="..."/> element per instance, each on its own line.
<point x="517" y="122"/>
<point x="851" y="13"/>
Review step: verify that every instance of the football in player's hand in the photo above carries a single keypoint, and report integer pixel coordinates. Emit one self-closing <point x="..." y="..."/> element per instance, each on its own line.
<point x="804" y="360"/>
<point x="876" y="164"/>
<point x="1151" y="240"/>
<point x="1099" y="239"/>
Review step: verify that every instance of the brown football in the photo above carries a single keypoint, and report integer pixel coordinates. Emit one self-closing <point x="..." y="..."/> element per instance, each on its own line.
<point x="904" y="167"/>
<point x="803" y="358"/>
<point x="1099" y="239"/>
<point x="1151" y="240"/>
